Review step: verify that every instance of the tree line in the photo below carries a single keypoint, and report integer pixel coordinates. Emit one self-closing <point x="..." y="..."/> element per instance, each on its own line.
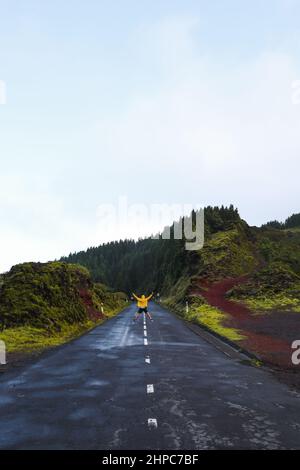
<point x="291" y="222"/>
<point x="149" y="264"/>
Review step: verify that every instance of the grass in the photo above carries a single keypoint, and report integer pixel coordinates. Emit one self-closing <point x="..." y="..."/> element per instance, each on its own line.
<point x="226" y="254"/>
<point x="293" y="230"/>
<point x="276" y="302"/>
<point x="274" y="287"/>
<point x="29" y="339"/>
<point x="203" y="314"/>
<point x="213" y="319"/>
<point x="44" y="295"/>
<point x="46" y="304"/>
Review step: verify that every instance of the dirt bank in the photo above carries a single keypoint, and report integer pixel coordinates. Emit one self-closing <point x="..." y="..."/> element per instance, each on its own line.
<point x="269" y="336"/>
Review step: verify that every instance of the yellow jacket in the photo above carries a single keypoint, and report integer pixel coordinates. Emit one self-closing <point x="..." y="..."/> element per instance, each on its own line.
<point x="142" y="302"/>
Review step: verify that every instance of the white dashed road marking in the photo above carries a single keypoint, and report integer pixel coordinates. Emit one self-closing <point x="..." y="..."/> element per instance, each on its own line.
<point x="150" y="388"/>
<point x="152" y="423"/>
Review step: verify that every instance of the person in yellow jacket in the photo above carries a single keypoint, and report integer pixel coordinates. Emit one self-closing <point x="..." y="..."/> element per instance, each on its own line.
<point x="142" y="303"/>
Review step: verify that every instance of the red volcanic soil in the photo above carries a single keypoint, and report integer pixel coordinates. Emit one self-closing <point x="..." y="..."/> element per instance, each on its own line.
<point x="215" y="296"/>
<point x="269" y="335"/>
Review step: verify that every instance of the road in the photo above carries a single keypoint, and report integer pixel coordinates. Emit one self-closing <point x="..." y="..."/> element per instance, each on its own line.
<point x="109" y="389"/>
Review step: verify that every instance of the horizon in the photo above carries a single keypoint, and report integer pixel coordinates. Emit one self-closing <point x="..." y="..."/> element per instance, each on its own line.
<point x="162" y="103"/>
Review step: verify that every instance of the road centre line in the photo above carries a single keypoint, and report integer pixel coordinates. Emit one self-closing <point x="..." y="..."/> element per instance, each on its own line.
<point x="152" y="423"/>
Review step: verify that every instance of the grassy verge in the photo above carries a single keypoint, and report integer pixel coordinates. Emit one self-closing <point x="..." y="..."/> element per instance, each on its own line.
<point x="203" y="314"/>
<point x="27" y="339"/>
<point x="214" y="319"/>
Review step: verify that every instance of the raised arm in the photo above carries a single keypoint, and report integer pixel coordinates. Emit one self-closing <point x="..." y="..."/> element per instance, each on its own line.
<point x="135" y="296"/>
<point x="151" y="295"/>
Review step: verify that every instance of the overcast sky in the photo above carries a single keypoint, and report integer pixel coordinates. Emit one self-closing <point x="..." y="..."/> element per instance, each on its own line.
<point x="159" y="101"/>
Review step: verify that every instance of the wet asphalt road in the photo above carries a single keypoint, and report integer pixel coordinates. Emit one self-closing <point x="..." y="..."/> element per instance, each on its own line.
<point x="100" y="391"/>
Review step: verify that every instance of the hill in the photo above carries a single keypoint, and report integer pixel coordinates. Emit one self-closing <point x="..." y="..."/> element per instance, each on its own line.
<point x="232" y="248"/>
<point x="241" y="272"/>
<point x="150" y="264"/>
<point x="47" y="303"/>
<point x="292" y="222"/>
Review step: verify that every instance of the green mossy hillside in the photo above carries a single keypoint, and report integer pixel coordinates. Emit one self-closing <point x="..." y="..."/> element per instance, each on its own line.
<point x="44" y="304"/>
<point x="43" y="295"/>
<point x="275" y="286"/>
<point x="279" y="246"/>
<point x="227" y="254"/>
<point x="232" y="249"/>
<point x="157" y="264"/>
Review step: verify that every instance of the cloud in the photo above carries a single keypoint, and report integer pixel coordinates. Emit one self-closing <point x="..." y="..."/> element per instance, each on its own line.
<point x="36" y="226"/>
<point x="209" y="131"/>
<point x="195" y="128"/>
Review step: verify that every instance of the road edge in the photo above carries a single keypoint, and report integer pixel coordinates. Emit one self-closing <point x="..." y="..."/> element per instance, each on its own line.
<point x="220" y="342"/>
